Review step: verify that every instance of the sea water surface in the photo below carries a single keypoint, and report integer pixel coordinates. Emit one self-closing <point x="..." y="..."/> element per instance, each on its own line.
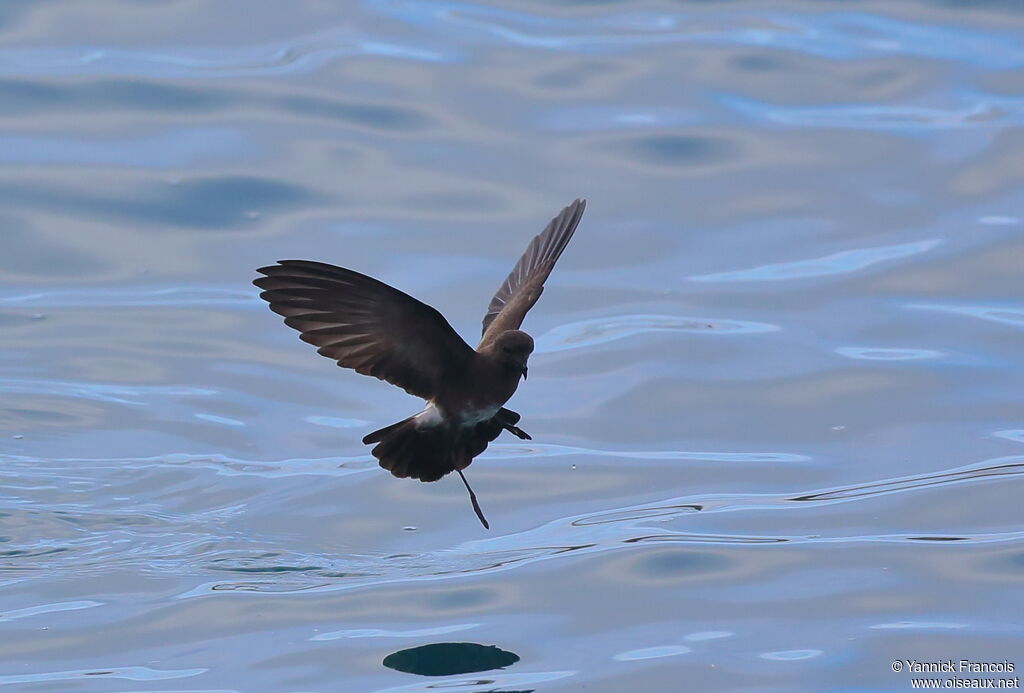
<point x="777" y="402"/>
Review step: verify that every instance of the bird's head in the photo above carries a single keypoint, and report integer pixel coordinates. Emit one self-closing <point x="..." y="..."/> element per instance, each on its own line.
<point x="513" y="349"/>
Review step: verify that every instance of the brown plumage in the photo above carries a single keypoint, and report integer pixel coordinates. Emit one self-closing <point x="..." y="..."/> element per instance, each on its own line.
<point x="377" y="330"/>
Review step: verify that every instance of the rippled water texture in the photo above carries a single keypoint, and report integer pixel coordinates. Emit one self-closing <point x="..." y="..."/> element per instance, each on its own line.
<point x="776" y="403"/>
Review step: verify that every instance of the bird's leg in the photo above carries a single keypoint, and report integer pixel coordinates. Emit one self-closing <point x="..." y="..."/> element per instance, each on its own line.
<point x="472" y="499"/>
<point x="450" y="447"/>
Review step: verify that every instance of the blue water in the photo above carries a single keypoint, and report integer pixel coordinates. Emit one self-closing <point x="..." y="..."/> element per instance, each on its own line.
<point x="777" y="402"/>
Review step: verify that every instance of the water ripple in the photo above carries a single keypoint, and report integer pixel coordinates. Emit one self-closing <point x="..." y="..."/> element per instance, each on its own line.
<point x="883" y="354"/>
<point x="220" y="464"/>
<point x="174" y="149"/>
<point x="301" y="54"/>
<point x="586" y="333"/>
<point x="130" y="296"/>
<point x="226" y="465"/>
<point x="485" y="682"/>
<point x="984" y="113"/>
<point x="843" y="262"/>
<point x="918" y="625"/>
<point x="1007" y="315"/>
<point x="999" y="220"/>
<point x="597" y="118"/>
<point x="222" y="420"/>
<point x="620" y="528"/>
<point x="514" y="450"/>
<point x="653" y="653"/>
<point x="790" y="655"/>
<point x="837" y="35"/>
<point x="998" y="467"/>
<point x="336" y="422"/>
<point x="153" y="539"/>
<point x="130" y="673"/>
<point x="47" y="609"/>
<point x="1014" y="434"/>
<point x="115" y="394"/>
<point x="217" y="201"/>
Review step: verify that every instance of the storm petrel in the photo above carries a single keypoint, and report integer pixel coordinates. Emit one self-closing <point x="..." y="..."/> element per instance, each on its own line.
<point x="377" y="330"/>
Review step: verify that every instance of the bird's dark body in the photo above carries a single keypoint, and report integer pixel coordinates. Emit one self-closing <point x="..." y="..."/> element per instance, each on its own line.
<point x="377" y="330"/>
<point x="468" y="419"/>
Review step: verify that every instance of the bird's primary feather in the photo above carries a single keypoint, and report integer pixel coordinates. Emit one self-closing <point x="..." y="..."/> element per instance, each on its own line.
<point x="525" y="282"/>
<point x="366" y="325"/>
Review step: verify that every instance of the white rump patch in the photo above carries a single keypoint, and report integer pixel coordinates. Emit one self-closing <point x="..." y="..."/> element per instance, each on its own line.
<point x="477" y="415"/>
<point x="430" y="416"/>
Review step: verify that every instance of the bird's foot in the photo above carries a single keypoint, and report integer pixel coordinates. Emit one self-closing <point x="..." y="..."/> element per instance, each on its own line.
<point x="517" y="432"/>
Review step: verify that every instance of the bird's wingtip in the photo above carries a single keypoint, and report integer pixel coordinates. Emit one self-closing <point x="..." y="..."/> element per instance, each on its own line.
<point x="278" y="266"/>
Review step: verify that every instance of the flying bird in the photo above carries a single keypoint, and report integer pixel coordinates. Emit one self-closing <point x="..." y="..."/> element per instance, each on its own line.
<point x="377" y="330"/>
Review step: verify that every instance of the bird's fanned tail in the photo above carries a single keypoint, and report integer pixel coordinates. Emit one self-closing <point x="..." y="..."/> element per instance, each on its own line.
<point x="428" y="452"/>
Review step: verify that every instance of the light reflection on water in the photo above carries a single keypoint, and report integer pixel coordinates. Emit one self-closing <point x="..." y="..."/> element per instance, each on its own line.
<point x="820" y="475"/>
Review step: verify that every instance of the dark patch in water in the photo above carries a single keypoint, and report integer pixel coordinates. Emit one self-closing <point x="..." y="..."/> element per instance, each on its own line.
<point x="367" y="115"/>
<point x="449" y="658"/>
<point x="270" y="569"/>
<point x="577" y="74"/>
<point x="20" y="98"/>
<point x="681" y="150"/>
<point x="756" y="63"/>
<point x="458" y="202"/>
<point x="463" y="598"/>
<point x="207" y="203"/>
<point x="670" y="563"/>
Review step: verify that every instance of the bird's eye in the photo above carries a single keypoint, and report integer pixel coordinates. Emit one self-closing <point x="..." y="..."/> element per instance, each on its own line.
<point x="507" y="350"/>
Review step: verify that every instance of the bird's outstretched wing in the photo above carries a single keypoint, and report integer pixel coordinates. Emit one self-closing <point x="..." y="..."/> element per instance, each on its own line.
<point x="524" y="285"/>
<point x="366" y="325"/>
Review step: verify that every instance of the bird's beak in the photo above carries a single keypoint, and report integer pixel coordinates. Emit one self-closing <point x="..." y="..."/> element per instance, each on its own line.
<point x="525" y="369"/>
